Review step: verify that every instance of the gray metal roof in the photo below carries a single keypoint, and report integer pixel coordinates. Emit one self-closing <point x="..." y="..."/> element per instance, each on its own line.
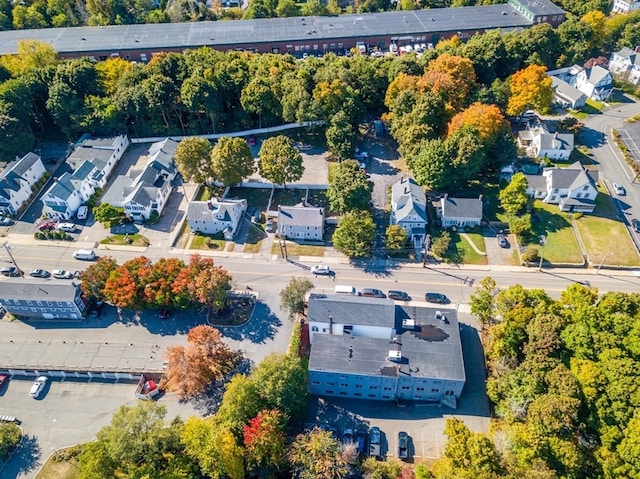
<point x="300" y="216"/>
<point x="537" y="182"/>
<point x="24" y="289"/>
<point x="212" y="210"/>
<point x="433" y="349"/>
<point x="119" y="38"/>
<point x="461" y="207"/>
<point x="538" y="7"/>
<point x="352" y="310"/>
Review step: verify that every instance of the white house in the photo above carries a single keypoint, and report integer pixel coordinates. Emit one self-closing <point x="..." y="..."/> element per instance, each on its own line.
<point x="567" y="96"/>
<point x="539" y="143"/>
<point x="625" y="6"/>
<point x="596" y="82"/>
<point x="460" y="212"/>
<point x="409" y="209"/>
<point x="92" y="162"/>
<point x="143" y="192"/>
<point x="17" y="181"/>
<point x="214" y="216"/>
<point x="626" y="65"/>
<point x="301" y="222"/>
<point x="369" y="348"/>
<point x="573" y="188"/>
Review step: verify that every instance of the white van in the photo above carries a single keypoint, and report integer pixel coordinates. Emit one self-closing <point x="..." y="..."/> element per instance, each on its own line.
<point x="346" y="290"/>
<point x="82" y="213"/>
<point x="84" y="254"/>
<point x="68" y="227"/>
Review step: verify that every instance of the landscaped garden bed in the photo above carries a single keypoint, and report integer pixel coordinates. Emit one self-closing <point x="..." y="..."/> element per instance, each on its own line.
<point x="238" y="311"/>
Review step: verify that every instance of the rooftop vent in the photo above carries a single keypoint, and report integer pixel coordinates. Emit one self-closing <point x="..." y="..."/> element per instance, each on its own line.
<point x="395" y="355"/>
<point x="408" y="323"/>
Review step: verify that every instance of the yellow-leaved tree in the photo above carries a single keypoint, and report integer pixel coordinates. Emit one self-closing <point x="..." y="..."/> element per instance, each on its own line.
<point x="530" y="88"/>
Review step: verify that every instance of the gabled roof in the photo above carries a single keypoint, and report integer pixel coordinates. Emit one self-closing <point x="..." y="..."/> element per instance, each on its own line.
<point x="215" y="211"/>
<point x="12" y="174"/>
<point x="537" y="182"/>
<point x="351" y="310"/>
<point x="571" y="177"/>
<point x="628" y="53"/>
<point x="300" y="215"/>
<point x="565" y="90"/>
<point x="461" y="207"/>
<point x="408" y="198"/>
<point x="63" y="188"/>
<point x="595" y="74"/>
<point x="108" y="142"/>
<point x="556" y="141"/>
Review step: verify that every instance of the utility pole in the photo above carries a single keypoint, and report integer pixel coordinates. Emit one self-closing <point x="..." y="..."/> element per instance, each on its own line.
<point x="13" y="260"/>
<point x="543" y="241"/>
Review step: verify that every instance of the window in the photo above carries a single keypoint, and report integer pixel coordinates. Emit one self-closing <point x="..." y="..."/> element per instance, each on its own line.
<point x="372" y="395"/>
<point x="435" y="390"/>
<point x="358" y="394"/>
<point x="404" y="388"/>
<point x="358" y="386"/>
<point x="579" y="195"/>
<point x="586" y="187"/>
<point x="373" y="387"/>
<point x="329" y="391"/>
<point x="315" y="382"/>
<point x="314" y="329"/>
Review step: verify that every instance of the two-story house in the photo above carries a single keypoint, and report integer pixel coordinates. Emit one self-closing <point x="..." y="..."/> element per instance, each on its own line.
<point x="459" y="212"/>
<point x="539" y="143"/>
<point x="595" y="82"/>
<point x="566" y="95"/>
<point x="214" y="216"/>
<point x="573" y="189"/>
<point x="625" y="6"/>
<point x="17" y="181"/>
<point x="103" y="152"/>
<point x="626" y="64"/>
<point x="409" y="210"/>
<point x="42" y="300"/>
<point x="301" y="222"/>
<point x="368" y="348"/>
<point x="143" y="192"/>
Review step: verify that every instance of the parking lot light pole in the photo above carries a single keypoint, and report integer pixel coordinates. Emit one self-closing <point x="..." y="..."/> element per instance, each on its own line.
<point x="543" y="241"/>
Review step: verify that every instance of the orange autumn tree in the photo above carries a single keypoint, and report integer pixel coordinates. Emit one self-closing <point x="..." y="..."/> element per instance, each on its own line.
<point x="529" y="88"/>
<point x="487" y="120"/>
<point x="451" y="76"/>
<point x="205" y="359"/>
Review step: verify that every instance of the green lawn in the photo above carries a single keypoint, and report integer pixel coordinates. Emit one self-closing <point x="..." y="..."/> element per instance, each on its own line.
<point x="605" y="236"/>
<point x="205" y="193"/>
<point x="131" y="240"/>
<point x="295" y="249"/>
<point x="208" y="242"/>
<point x="464" y="253"/>
<point x="561" y="244"/>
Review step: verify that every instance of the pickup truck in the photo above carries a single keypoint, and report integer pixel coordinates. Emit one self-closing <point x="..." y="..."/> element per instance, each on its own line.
<point x="374" y="441"/>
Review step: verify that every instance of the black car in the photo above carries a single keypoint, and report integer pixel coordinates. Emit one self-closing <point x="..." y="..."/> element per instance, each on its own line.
<point x="437" y="298"/>
<point x="403" y="445"/>
<point x="40" y="273"/>
<point x="398" y="295"/>
<point x="635" y="224"/>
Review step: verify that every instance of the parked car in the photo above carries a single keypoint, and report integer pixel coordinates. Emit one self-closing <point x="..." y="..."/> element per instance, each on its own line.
<point x="84" y="254"/>
<point x="68" y="227"/>
<point x="372" y="293"/>
<point x="619" y="189"/>
<point x="4" y="221"/>
<point x="403" y="445"/>
<point x="37" y="386"/>
<point x="437" y="298"/>
<point x="39" y="273"/>
<point x="46" y="226"/>
<point x="635" y="224"/>
<point x="374" y="441"/>
<point x="77" y="274"/>
<point x="83" y="212"/>
<point x="347" y="436"/>
<point x="3" y="379"/>
<point x="270" y="226"/>
<point x="502" y="241"/>
<point x="321" y="269"/>
<point x="61" y="274"/>
<point x="11" y="271"/>
<point x="398" y="295"/>
<point x="361" y="440"/>
<point x="251" y="141"/>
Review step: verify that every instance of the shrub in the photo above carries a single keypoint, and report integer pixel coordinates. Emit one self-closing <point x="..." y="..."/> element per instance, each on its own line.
<point x="521" y="226"/>
<point x="440" y="245"/>
<point x="530" y="254"/>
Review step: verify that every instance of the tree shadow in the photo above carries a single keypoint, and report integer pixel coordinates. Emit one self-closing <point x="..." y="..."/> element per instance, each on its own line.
<point x="378" y="267"/>
<point x="25" y="460"/>
<point x="262" y="325"/>
<point x="592" y="138"/>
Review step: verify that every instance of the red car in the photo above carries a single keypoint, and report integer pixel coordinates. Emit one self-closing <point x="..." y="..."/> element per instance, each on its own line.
<point x="46" y="226"/>
<point x="3" y="379"/>
<point x="251" y="141"/>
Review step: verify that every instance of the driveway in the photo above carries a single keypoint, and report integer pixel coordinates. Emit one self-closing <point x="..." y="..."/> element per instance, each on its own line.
<point x="495" y="253"/>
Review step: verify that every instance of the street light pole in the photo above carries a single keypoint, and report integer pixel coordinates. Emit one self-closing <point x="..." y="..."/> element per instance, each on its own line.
<point x="602" y="262"/>
<point x="13" y="260"/>
<point x="543" y="241"/>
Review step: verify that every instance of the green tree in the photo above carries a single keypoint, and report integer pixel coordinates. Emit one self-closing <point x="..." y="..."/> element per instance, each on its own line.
<point x="292" y="296"/>
<point x="232" y="160"/>
<point x="316" y="454"/>
<point x="440" y="245"/>
<point x="513" y="197"/>
<point x="108" y="214"/>
<point x="396" y="239"/>
<point x="482" y="300"/>
<point x="280" y="162"/>
<point x="340" y="136"/>
<point x="521" y="225"/>
<point x="287" y="8"/>
<point x="431" y="165"/>
<point x="240" y="402"/>
<point x="9" y="439"/>
<point x="349" y="188"/>
<point x="281" y="382"/>
<point x="355" y="234"/>
<point x="265" y="441"/>
<point x="15" y="137"/>
<point x="193" y="159"/>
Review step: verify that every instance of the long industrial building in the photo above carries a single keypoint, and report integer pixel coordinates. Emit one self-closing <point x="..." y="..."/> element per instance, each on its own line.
<point x="295" y="35"/>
